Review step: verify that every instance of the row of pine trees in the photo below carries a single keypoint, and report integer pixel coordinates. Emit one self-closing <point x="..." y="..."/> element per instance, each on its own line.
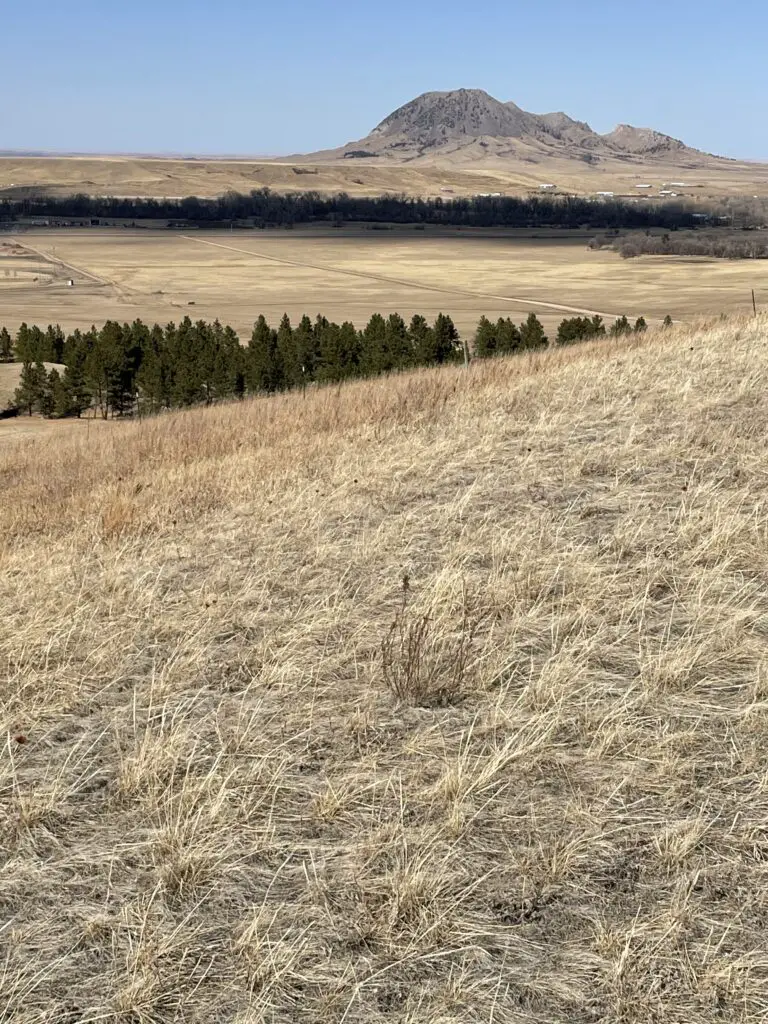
<point x="127" y="368"/>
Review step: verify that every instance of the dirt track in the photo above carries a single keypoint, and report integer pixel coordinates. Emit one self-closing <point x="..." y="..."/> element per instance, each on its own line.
<point x="516" y="299"/>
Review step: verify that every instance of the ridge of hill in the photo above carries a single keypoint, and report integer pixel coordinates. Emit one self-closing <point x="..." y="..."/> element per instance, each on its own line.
<point x="438" y="698"/>
<point x="469" y="123"/>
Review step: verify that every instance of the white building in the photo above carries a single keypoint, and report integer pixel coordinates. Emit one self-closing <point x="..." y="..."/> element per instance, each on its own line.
<point x="643" y="186"/>
<point x="547" y="188"/>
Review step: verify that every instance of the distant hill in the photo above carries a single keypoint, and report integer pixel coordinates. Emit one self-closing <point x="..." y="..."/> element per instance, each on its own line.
<point x="468" y="124"/>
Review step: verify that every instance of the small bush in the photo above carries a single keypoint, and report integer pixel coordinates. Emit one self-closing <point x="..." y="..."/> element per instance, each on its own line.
<point x="425" y="660"/>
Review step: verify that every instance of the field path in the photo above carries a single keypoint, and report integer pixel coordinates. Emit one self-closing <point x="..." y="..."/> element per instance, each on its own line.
<point x="516" y="299"/>
<point x="50" y="258"/>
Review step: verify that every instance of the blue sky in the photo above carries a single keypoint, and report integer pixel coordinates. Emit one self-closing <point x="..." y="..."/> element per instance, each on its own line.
<point x="295" y="75"/>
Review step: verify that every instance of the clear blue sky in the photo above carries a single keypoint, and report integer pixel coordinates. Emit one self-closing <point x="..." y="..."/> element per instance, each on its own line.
<point x="284" y="76"/>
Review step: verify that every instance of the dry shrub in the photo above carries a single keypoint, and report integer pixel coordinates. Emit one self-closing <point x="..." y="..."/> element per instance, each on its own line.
<point x="425" y="657"/>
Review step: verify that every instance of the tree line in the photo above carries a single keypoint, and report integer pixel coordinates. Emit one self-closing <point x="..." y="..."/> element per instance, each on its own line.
<point x="126" y="368"/>
<point x="264" y="208"/>
<point x="745" y="246"/>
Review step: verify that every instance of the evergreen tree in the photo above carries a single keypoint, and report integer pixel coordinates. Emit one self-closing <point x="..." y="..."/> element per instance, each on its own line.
<point x="331" y="363"/>
<point x="620" y="327"/>
<point x="261" y="364"/>
<point x="22" y="347"/>
<point x="53" y="345"/>
<point x="308" y="342"/>
<point x="421" y="340"/>
<point x="187" y="341"/>
<point x="580" y="329"/>
<point x="28" y="393"/>
<point x="507" y="337"/>
<point x="75" y="355"/>
<point x="47" y="402"/>
<point x="532" y="334"/>
<point x="6" y="347"/>
<point x="287" y="365"/>
<point x="397" y="343"/>
<point x="640" y="325"/>
<point x="446" y="347"/>
<point x="667" y="321"/>
<point x="375" y="357"/>
<point x="350" y="348"/>
<point x="152" y="378"/>
<point x="61" y="398"/>
<point x="78" y="395"/>
<point x="485" y="343"/>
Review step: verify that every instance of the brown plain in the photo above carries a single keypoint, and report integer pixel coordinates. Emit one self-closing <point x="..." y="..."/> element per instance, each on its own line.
<point x="140" y="176"/>
<point x="350" y="273"/>
<point x="212" y="804"/>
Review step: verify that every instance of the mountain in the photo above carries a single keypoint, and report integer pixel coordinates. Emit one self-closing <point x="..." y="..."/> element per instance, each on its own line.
<point x="469" y="124"/>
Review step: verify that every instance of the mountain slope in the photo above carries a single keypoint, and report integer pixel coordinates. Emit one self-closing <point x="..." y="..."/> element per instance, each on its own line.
<point x="215" y="808"/>
<point x="469" y="121"/>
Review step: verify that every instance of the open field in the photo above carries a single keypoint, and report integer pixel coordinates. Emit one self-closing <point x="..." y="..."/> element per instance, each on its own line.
<point x="137" y="176"/>
<point x="213" y="805"/>
<point x="350" y="274"/>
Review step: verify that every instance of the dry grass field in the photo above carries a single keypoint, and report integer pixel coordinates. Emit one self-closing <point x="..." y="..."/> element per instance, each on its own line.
<point x="141" y="176"/>
<point x="352" y="273"/>
<point x="441" y="698"/>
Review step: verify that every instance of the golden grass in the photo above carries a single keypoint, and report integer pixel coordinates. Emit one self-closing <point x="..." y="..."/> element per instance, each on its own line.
<point x="351" y="273"/>
<point x="463" y="175"/>
<point x="213" y="807"/>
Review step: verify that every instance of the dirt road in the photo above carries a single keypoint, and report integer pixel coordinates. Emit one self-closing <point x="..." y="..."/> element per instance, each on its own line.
<point x="515" y="299"/>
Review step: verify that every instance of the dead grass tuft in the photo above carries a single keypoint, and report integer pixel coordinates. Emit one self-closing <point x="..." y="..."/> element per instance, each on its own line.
<point x="425" y="656"/>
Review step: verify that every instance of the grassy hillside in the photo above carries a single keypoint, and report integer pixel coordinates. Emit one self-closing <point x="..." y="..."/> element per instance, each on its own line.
<point x="436" y="699"/>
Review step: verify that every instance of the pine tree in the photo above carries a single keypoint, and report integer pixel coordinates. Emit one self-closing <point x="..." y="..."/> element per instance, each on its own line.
<point x="186" y="344"/>
<point x="667" y="321"/>
<point x="375" y="357"/>
<point x="397" y="343"/>
<point x="79" y="396"/>
<point x="287" y="365"/>
<point x="350" y="348"/>
<point x="53" y="346"/>
<point x="45" y="401"/>
<point x="261" y="364"/>
<point x="579" y="328"/>
<point x="507" y="337"/>
<point x="532" y="334"/>
<point x="446" y="347"/>
<point x="330" y="367"/>
<point x="28" y="393"/>
<point x="421" y="339"/>
<point x="22" y="347"/>
<point x="308" y="342"/>
<point x="152" y="377"/>
<point x="60" y="395"/>
<point x="620" y="327"/>
<point x="640" y="325"/>
<point x="485" y="338"/>
<point x="6" y="347"/>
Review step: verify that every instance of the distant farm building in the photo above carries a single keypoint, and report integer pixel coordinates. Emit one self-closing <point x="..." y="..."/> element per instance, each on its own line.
<point x="547" y="187"/>
<point x="643" y="186"/>
<point x="605" y="195"/>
